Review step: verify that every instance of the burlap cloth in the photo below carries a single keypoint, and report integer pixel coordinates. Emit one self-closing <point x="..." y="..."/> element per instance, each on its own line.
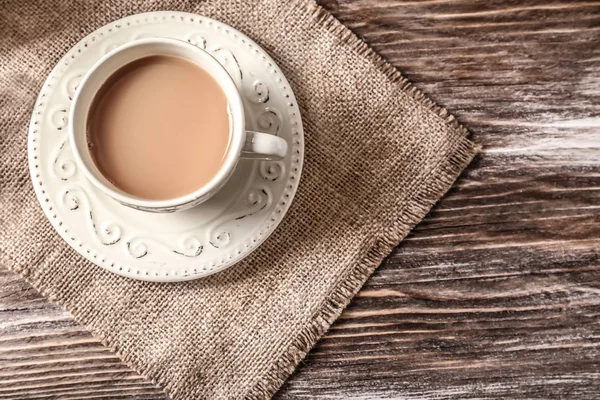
<point x="378" y="156"/>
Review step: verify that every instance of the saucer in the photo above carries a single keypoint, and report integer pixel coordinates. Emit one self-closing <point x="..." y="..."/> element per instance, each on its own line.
<point x="183" y="245"/>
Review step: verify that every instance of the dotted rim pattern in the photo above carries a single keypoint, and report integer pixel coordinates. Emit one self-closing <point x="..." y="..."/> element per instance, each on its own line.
<point x="235" y="254"/>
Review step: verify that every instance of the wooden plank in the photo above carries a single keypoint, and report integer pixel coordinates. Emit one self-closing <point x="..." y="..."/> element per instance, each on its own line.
<point x="497" y="293"/>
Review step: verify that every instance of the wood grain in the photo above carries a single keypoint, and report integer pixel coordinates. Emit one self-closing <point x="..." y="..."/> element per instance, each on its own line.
<point x="496" y="294"/>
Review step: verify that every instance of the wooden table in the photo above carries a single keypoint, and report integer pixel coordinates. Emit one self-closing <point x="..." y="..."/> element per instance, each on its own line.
<point x="496" y="294"/>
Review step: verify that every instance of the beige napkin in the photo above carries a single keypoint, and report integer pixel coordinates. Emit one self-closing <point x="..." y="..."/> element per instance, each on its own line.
<point x="378" y="156"/>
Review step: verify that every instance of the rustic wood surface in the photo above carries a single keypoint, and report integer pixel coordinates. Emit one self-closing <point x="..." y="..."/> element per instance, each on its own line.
<point x="496" y="294"/>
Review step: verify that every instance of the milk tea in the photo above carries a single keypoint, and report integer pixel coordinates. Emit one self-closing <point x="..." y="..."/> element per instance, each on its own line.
<point x="159" y="128"/>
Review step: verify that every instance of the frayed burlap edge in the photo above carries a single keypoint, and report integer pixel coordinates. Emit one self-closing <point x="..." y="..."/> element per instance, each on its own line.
<point x="33" y="280"/>
<point x="430" y="191"/>
<point x="346" y="36"/>
<point x="419" y="205"/>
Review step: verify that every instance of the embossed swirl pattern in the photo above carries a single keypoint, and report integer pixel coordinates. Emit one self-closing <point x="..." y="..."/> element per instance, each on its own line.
<point x="50" y="120"/>
<point x="109" y="233"/>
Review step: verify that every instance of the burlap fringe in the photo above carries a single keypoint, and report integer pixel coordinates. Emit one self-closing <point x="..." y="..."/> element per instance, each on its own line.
<point x="345" y="35"/>
<point x="331" y="309"/>
<point x="421" y="203"/>
<point x="33" y="278"/>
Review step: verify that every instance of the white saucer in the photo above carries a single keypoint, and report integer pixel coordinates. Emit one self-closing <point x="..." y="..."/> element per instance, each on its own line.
<point x="183" y="245"/>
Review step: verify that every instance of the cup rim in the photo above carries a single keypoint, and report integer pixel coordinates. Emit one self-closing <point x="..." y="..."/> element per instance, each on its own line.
<point x="236" y="111"/>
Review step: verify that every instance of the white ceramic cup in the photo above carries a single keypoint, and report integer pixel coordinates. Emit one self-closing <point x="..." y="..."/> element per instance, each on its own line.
<point x="246" y="144"/>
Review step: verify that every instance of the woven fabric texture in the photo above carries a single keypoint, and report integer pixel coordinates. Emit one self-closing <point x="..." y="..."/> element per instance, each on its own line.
<point x="378" y="156"/>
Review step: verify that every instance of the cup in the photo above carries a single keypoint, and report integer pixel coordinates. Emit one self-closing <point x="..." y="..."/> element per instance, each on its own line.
<point x="243" y="143"/>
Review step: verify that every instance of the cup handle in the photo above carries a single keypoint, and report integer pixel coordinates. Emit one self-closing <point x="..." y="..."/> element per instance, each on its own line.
<point x="263" y="146"/>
